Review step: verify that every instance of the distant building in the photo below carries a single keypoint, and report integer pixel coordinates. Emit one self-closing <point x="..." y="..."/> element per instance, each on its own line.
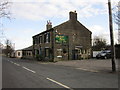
<point x="18" y="53"/>
<point x="68" y="41"/>
<point x="24" y="53"/>
<point x="27" y="52"/>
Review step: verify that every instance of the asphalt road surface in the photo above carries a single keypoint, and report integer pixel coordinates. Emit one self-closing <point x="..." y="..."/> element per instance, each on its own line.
<point x="18" y="73"/>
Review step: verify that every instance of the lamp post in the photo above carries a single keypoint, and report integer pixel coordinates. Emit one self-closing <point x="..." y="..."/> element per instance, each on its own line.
<point x="111" y="37"/>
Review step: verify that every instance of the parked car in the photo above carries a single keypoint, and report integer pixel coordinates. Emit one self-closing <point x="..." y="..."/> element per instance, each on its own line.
<point x="104" y="54"/>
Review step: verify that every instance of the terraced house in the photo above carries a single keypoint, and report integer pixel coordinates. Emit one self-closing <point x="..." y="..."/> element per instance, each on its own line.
<point x="68" y="41"/>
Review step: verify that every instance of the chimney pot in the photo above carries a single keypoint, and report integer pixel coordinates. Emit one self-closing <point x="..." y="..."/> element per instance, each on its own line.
<point x="49" y="25"/>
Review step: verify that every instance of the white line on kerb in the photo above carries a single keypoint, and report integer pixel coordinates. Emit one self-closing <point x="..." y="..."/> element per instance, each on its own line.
<point x="59" y="83"/>
<point x="29" y="69"/>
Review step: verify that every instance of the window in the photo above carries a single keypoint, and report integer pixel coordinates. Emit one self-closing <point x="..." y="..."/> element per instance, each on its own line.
<point x="59" y="52"/>
<point x="18" y="53"/>
<point x="37" y="51"/>
<point x="33" y="40"/>
<point x="27" y="53"/>
<point x="40" y="39"/>
<point x="40" y="50"/>
<point x="47" y="37"/>
<point x="47" y="52"/>
<point x="23" y="53"/>
<point x="36" y="40"/>
<point x="44" y="38"/>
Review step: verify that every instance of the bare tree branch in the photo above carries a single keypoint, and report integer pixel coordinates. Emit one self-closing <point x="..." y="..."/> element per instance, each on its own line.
<point x="4" y="6"/>
<point x="117" y="15"/>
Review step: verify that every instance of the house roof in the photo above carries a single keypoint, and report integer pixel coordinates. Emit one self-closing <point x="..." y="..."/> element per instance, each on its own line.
<point x="43" y="32"/>
<point x="69" y="21"/>
<point x="28" y="48"/>
<point x="19" y="50"/>
<point x="51" y="28"/>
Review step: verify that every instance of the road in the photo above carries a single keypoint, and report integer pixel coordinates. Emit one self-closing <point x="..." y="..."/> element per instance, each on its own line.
<point x="18" y="73"/>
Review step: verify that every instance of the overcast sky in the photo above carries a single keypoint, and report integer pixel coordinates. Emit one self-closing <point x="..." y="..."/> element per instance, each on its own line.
<point x="29" y="17"/>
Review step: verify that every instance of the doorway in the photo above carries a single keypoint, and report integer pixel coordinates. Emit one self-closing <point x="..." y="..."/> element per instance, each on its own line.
<point x="76" y="54"/>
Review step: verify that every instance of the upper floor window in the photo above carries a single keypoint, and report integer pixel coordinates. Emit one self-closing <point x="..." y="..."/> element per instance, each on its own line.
<point x="40" y="39"/>
<point x="35" y="40"/>
<point x="47" y="38"/>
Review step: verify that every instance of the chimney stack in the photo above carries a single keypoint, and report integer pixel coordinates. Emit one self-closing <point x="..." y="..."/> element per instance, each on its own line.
<point x="49" y="25"/>
<point x="73" y="15"/>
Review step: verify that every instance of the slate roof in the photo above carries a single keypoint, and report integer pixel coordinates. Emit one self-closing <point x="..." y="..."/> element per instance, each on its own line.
<point x="28" y="48"/>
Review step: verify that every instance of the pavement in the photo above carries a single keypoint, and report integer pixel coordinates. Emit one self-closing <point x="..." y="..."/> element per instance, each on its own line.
<point x="93" y="65"/>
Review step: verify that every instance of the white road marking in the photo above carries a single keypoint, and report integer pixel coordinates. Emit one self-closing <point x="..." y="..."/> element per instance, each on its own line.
<point x="16" y="64"/>
<point x="29" y="69"/>
<point x="59" y="83"/>
<point x="87" y="70"/>
<point x="11" y="62"/>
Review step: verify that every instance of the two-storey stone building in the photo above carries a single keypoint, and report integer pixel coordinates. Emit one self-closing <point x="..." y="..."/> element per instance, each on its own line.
<point x="68" y="41"/>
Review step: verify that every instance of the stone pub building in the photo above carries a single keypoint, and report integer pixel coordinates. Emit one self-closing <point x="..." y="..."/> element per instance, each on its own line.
<point x="68" y="41"/>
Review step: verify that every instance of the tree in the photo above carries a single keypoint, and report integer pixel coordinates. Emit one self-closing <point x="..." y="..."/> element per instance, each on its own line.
<point x="118" y="22"/>
<point x="4" y="12"/>
<point x="8" y="48"/>
<point x="99" y="43"/>
<point x="4" y="5"/>
<point x="116" y="14"/>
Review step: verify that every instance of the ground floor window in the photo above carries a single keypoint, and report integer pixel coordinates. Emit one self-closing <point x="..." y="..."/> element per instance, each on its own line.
<point x="59" y="52"/>
<point x="40" y="51"/>
<point x="36" y="52"/>
<point x="80" y="53"/>
<point x="76" y="53"/>
<point x="18" y="53"/>
<point x="47" y="52"/>
<point x="29" y="54"/>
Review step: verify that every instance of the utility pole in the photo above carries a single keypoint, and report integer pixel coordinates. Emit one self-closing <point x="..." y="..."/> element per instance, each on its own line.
<point x="111" y="37"/>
